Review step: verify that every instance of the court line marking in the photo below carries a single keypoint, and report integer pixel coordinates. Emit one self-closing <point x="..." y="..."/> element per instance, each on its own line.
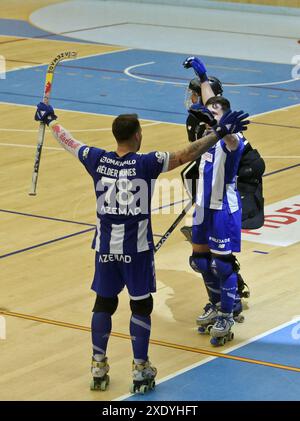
<point x="47" y="36"/>
<point x="165" y="344"/>
<point x="281" y="170"/>
<point x="206" y="360"/>
<point x="45" y="243"/>
<point x="189" y="28"/>
<point x="103" y="129"/>
<point x="52" y="148"/>
<point x="281" y="157"/>
<point x="19" y="145"/>
<point x="80" y="101"/>
<point x="129" y="68"/>
<point x="286" y="108"/>
<point x="72" y="59"/>
<point x="47" y="217"/>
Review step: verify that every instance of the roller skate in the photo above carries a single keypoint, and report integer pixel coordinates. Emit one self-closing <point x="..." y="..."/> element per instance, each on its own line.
<point x="143" y="377"/>
<point x="187" y="232"/>
<point x="99" y="371"/>
<point x="237" y="311"/>
<point x="206" y="320"/>
<point x="243" y="288"/>
<point x="221" y="330"/>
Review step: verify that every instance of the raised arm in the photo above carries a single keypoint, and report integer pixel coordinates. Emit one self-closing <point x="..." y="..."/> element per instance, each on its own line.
<point x="230" y="123"/>
<point x="65" y="138"/>
<point x="201" y="73"/>
<point x="45" y="113"/>
<point x="192" y="151"/>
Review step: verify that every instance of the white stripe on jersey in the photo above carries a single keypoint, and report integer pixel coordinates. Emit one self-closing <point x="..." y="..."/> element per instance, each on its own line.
<point x="232" y="197"/>
<point x="200" y="190"/>
<point x="217" y="188"/>
<point x="212" y="191"/>
<point x="142" y="240"/>
<point x="116" y="239"/>
<point x="97" y="244"/>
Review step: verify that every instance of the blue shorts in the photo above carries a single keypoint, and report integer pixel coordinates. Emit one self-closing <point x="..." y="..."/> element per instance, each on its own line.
<point x="114" y="271"/>
<point x="219" y="229"/>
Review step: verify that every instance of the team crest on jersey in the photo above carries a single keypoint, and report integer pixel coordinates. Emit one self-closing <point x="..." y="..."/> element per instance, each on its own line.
<point x="85" y="153"/>
<point x="208" y="157"/>
<point x="160" y="156"/>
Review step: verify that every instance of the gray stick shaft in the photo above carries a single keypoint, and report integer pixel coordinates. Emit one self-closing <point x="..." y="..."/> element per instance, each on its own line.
<point x="37" y="159"/>
<point x="173" y="226"/>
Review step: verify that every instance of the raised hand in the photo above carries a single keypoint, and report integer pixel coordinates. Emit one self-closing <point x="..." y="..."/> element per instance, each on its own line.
<point x="198" y="66"/>
<point x="44" y="113"/>
<point x="231" y="122"/>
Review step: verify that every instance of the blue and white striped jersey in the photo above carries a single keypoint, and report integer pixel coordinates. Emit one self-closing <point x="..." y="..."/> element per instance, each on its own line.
<point x="123" y="187"/>
<point x="217" y="177"/>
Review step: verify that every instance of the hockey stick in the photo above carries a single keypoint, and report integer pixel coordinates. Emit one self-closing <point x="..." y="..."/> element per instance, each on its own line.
<point x="173" y="226"/>
<point x="41" y="133"/>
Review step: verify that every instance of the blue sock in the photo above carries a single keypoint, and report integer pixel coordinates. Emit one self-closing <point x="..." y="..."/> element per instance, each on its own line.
<point x="228" y="293"/>
<point x="238" y="307"/>
<point x="200" y="262"/>
<point x="212" y="284"/>
<point x="140" y="328"/>
<point x="101" y="328"/>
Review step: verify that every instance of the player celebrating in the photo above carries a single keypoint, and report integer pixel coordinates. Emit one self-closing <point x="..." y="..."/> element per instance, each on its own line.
<point x="216" y="230"/>
<point x="249" y="180"/>
<point x="123" y="240"/>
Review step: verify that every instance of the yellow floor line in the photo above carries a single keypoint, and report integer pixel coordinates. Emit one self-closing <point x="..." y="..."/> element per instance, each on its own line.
<point x="202" y="351"/>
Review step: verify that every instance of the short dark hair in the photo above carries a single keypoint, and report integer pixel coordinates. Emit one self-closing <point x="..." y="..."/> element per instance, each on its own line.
<point x="225" y="104"/>
<point x="125" y="126"/>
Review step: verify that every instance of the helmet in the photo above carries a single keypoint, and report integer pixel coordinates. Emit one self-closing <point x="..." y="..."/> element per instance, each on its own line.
<point x="215" y="83"/>
<point x="195" y="86"/>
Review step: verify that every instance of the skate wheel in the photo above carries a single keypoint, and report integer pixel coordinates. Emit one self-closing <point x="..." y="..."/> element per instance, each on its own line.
<point x="222" y="341"/>
<point x="143" y="389"/>
<point x="99" y="385"/>
<point x="104" y="384"/>
<point x="152" y="385"/>
<point x="92" y="385"/>
<point x="214" y="342"/>
<point x="239" y="319"/>
<point x="201" y="330"/>
<point x="231" y="336"/>
<point x="209" y="327"/>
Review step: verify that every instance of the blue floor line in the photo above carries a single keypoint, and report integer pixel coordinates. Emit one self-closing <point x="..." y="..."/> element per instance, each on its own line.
<point x="47" y="217"/>
<point x="45" y="243"/>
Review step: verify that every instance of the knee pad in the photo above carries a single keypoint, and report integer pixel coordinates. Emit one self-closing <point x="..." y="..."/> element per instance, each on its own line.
<point x="200" y="262"/>
<point x="224" y="265"/>
<point x="142" y="307"/>
<point x="106" y="305"/>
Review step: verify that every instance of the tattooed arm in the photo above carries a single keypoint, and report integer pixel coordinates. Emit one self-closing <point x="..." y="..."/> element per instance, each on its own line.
<point x="192" y="151"/>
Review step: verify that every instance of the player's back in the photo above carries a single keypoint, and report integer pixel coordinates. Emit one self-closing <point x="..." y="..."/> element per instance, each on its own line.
<point x="123" y="187"/>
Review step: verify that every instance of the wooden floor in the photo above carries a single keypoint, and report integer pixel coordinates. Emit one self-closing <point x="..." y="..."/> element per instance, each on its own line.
<point x="49" y="359"/>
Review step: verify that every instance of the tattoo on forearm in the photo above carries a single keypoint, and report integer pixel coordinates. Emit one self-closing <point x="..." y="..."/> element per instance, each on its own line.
<point x="192" y="152"/>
